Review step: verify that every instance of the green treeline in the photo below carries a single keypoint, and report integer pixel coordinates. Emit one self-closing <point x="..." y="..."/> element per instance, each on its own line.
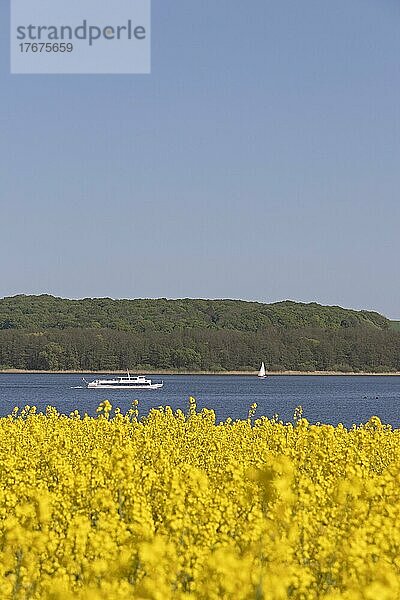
<point x="43" y="332"/>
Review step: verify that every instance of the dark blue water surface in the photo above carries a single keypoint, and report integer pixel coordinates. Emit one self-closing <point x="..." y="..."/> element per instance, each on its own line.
<point x="327" y="399"/>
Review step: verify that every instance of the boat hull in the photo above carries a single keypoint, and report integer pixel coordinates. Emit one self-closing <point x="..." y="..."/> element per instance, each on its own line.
<point x="153" y="386"/>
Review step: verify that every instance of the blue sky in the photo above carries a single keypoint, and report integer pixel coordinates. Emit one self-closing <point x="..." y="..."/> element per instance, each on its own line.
<point x="259" y="160"/>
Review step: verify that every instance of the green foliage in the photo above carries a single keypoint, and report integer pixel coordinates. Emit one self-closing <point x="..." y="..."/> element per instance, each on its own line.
<point x="43" y="332"/>
<point x="47" y="312"/>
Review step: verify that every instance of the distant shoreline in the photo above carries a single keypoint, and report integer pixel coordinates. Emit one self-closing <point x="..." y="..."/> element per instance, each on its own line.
<point x="216" y="373"/>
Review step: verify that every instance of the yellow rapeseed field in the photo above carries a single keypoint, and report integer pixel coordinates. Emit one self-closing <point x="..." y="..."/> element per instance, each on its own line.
<point x="176" y="507"/>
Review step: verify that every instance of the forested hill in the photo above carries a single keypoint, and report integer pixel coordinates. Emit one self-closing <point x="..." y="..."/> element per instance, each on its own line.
<point x="43" y="332"/>
<point x="39" y="313"/>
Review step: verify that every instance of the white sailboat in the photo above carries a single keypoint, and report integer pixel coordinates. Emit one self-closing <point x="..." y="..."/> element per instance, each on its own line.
<point x="262" y="373"/>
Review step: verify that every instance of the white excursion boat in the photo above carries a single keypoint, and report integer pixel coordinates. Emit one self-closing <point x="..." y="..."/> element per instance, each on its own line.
<point x="124" y="383"/>
<point x="262" y="373"/>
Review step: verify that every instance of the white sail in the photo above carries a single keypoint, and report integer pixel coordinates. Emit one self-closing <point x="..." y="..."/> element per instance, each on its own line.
<point x="261" y="372"/>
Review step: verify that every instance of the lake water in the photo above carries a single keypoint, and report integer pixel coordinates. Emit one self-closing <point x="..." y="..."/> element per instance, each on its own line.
<point x="327" y="399"/>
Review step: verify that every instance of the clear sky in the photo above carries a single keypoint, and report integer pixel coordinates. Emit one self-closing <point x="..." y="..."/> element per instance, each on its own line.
<point x="260" y="160"/>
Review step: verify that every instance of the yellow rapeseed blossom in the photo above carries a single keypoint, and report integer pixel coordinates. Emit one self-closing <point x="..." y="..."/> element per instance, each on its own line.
<point x="175" y="507"/>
